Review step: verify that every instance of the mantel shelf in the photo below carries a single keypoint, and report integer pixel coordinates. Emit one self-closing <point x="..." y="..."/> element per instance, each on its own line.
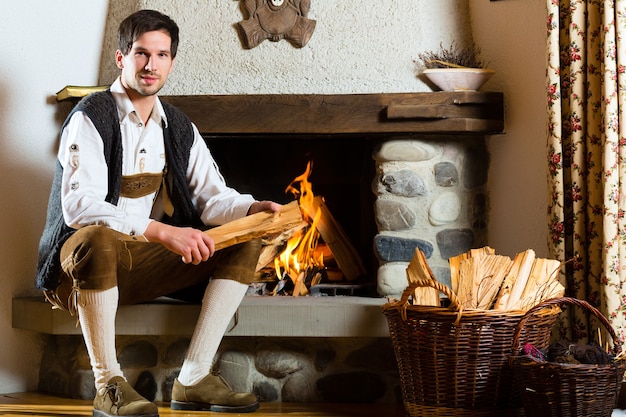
<point x="320" y="114"/>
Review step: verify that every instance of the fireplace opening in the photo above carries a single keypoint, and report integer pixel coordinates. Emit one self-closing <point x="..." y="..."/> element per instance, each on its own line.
<point x="342" y="173"/>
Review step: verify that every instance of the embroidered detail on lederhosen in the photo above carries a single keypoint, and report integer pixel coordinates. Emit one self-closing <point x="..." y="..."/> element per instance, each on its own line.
<point x="140" y="185"/>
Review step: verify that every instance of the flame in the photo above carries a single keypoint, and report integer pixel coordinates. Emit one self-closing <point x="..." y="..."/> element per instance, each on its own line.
<point x="299" y="253"/>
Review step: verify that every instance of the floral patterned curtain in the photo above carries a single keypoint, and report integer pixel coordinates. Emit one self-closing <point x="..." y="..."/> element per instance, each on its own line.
<point x="586" y="148"/>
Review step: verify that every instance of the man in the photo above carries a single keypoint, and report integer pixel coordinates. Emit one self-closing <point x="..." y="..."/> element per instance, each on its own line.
<point x="134" y="186"/>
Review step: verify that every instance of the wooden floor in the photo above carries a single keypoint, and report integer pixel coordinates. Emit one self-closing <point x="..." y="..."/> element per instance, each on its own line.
<point x="34" y="405"/>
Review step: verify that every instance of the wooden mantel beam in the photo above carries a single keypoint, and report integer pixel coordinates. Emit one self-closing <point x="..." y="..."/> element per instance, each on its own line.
<point x="259" y="114"/>
<point x="437" y="112"/>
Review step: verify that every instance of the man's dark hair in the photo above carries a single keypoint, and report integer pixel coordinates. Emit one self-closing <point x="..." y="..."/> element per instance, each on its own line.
<point x="144" y="21"/>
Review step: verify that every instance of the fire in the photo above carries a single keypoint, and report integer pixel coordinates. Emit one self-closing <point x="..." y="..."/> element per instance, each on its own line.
<point x="299" y="256"/>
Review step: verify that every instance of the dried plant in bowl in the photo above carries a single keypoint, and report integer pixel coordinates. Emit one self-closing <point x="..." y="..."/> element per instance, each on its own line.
<point x="454" y="56"/>
<point x="455" y="68"/>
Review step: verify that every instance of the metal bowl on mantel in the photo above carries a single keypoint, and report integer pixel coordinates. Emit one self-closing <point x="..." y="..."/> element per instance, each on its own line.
<point x="458" y="79"/>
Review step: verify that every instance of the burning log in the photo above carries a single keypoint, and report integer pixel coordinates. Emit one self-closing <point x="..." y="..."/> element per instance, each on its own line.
<point x="332" y="233"/>
<point x="274" y="244"/>
<point x="300" y="285"/>
<point x="296" y="252"/>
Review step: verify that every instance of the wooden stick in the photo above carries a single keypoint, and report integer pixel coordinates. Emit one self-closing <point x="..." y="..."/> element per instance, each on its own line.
<point x="418" y="270"/>
<point x="257" y="225"/>
<point x="455" y="267"/>
<point x="515" y="281"/>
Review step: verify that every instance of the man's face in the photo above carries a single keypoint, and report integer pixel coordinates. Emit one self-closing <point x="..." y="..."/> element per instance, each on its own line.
<point x="147" y="65"/>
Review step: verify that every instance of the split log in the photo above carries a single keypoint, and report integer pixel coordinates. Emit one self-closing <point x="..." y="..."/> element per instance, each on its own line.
<point x="456" y="261"/>
<point x="542" y="284"/>
<point x="455" y="270"/>
<point x="469" y="278"/>
<point x="542" y="272"/>
<point x="418" y="270"/>
<point x="346" y="256"/>
<point x="549" y="289"/>
<point x="273" y="245"/>
<point x="493" y="272"/>
<point x="257" y="225"/>
<point x="513" y="286"/>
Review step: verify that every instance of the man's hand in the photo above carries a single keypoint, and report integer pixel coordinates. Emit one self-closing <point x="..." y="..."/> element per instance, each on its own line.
<point x="259" y="206"/>
<point x="191" y="244"/>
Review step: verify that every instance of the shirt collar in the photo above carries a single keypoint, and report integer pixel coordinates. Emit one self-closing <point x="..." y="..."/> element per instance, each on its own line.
<point x="125" y="106"/>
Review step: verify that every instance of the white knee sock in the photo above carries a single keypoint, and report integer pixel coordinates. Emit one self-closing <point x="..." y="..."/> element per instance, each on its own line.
<point x="96" y="313"/>
<point x="221" y="300"/>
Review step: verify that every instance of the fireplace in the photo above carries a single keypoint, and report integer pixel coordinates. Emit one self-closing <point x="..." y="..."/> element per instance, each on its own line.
<point x="372" y="155"/>
<point x="264" y="165"/>
<point x="369" y="151"/>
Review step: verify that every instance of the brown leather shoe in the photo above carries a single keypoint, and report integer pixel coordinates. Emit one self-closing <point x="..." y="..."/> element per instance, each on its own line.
<point x="118" y="398"/>
<point x="212" y="393"/>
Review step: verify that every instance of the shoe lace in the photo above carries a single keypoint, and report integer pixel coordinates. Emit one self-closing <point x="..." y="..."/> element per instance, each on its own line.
<point x="218" y="374"/>
<point x="115" y="394"/>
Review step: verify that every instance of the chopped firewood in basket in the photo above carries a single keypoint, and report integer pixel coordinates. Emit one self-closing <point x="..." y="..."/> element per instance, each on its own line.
<point x="483" y="280"/>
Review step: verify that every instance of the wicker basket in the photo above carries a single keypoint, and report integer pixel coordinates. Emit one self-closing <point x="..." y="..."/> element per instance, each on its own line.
<point x="455" y="363"/>
<point x="567" y="390"/>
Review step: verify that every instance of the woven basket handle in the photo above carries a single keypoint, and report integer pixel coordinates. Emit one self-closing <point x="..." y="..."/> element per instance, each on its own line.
<point x="454" y="301"/>
<point x="560" y="301"/>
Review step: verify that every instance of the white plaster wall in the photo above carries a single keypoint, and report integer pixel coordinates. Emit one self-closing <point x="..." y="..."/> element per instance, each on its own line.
<point x="44" y="45"/>
<point x="357" y="47"/>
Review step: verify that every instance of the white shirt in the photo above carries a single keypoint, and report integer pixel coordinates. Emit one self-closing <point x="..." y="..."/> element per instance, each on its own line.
<point x="85" y="173"/>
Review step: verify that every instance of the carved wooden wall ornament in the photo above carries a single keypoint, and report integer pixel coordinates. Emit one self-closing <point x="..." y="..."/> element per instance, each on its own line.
<point x="276" y="20"/>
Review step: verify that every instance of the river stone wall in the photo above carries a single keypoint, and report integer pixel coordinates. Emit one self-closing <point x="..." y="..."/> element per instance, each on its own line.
<point x="431" y="195"/>
<point x="356" y="370"/>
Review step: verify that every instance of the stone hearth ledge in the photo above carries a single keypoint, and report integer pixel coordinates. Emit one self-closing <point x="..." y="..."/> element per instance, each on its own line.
<point x="281" y="316"/>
